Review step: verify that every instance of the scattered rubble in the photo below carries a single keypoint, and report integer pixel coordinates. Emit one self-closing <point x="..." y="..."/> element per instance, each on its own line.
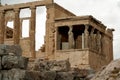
<point x="110" y="72"/>
<point x="15" y="67"/>
<point x="45" y="65"/>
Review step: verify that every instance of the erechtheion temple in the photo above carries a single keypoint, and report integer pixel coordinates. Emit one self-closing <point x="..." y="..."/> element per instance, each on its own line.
<point x="84" y="40"/>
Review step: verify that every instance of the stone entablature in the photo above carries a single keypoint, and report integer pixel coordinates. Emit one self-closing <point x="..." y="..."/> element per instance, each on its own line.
<point x="78" y="20"/>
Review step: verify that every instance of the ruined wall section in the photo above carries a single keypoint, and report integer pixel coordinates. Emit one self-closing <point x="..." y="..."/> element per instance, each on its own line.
<point x="53" y="11"/>
<point x="49" y="37"/>
<point x="77" y="58"/>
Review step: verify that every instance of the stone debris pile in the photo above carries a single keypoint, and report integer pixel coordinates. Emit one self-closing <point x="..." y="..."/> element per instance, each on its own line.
<point x="61" y="70"/>
<point x="110" y="72"/>
<point x="12" y="64"/>
<point x="52" y="65"/>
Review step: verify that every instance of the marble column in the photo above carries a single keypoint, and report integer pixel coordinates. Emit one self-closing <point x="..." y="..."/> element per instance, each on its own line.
<point x="32" y="31"/>
<point x="71" y="38"/>
<point x="86" y="37"/>
<point x="16" y="31"/>
<point x="2" y="26"/>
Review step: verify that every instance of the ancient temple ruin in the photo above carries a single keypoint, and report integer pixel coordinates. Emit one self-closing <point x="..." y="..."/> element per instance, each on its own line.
<point x="83" y="40"/>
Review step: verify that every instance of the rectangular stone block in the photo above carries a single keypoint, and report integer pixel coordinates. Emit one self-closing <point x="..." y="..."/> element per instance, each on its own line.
<point x="2" y="50"/>
<point x="7" y="49"/>
<point x="16" y="49"/>
<point x="37" y="75"/>
<point x="14" y="74"/>
<point x="64" y="76"/>
<point x="48" y="75"/>
<point x="11" y="61"/>
<point x="62" y="65"/>
<point x="18" y="74"/>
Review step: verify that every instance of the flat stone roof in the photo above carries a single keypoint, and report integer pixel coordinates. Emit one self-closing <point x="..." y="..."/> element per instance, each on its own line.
<point x="87" y="17"/>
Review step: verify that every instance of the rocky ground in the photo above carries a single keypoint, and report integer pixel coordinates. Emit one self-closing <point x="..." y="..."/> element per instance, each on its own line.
<point x="110" y="72"/>
<point x="15" y="67"/>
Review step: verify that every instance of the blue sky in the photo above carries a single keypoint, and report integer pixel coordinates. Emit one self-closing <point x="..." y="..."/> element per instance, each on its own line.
<point x="107" y="11"/>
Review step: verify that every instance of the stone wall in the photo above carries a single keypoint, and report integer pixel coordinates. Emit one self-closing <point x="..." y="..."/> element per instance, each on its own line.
<point x="25" y="46"/>
<point x="97" y="61"/>
<point x="53" y="11"/>
<point x="77" y="58"/>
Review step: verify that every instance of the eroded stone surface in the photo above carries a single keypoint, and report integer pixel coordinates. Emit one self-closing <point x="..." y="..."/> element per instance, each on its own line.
<point x="110" y="72"/>
<point x="7" y="49"/>
<point x="18" y="74"/>
<point x="16" y="49"/>
<point x="64" y="76"/>
<point x="45" y="65"/>
<point x="0" y="63"/>
<point x="2" y="50"/>
<point x="10" y="61"/>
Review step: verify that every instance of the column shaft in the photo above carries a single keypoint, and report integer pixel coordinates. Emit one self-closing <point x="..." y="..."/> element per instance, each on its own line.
<point x="92" y="43"/>
<point x="16" y="32"/>
<point x="32" y="31"/>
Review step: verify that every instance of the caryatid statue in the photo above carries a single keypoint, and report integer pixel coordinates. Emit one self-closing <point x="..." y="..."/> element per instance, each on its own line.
<point x="98" y="41"/>
<point x="92" y="40"/>
<point x="86" y="36"/>
<point x="71" y="38"/>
